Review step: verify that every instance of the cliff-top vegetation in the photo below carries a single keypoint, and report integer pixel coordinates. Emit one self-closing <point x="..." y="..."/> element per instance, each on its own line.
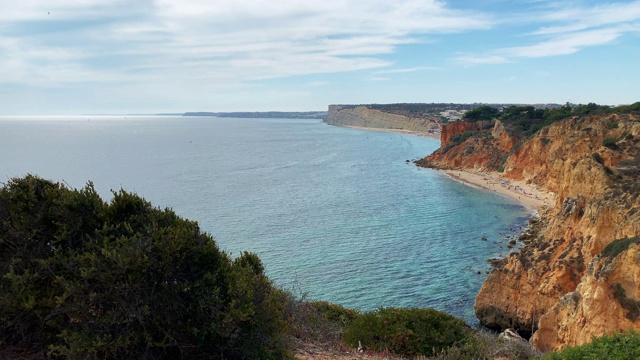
<point x="527" y="120"/>
<point x="83" y="279"/>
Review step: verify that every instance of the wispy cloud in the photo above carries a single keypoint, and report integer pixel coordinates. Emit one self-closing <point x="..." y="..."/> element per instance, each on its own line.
<point x="378" y="78"/>
<point x="317" y="83"/>
<point x="480" y="59"/>
<point x="576" y="19"/>
<point x="566" y="31"/>
<point x="407" y="70"/>
<point x="212" y="43"/>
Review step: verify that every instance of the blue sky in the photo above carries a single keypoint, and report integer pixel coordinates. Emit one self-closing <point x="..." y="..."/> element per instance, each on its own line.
<point x="122" y="56"/>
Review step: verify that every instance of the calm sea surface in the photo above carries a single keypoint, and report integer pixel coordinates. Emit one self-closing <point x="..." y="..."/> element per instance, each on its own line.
<point x="333" y="212"/>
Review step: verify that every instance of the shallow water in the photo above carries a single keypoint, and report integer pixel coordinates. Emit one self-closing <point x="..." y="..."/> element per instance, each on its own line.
<point x="333" y="212"/>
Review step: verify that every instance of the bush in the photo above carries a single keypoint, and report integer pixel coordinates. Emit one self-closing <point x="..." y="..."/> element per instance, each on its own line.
<point x="481" y="113"/>
<point x="610" y="143"/>
<point x="620" y="346"/>
<point x="407" y="332"/>
<point x="81" y="278"/>
<point x="319" y="322"/>
<point x="615" y="247"/>
<point x="335" y="313"/>
<point x="485" y="345"/>
<point x="460" y="138"/>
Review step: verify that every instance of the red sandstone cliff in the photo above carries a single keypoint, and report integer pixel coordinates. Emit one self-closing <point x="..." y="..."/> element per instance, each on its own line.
<point x="485" y="150"/>
<point x="598" y="194"/>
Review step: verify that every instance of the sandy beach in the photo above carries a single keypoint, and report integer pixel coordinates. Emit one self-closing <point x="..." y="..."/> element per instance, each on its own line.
<point x="526" y="194"/>
<point x="433" y="135"/>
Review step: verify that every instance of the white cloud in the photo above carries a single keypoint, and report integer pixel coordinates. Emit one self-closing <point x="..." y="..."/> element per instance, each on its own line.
<point x="565" y="44"/>
<point x="577" y="19"/>
<point x="407" y="70"/>
<point x="210" y="43"/>
<point x="317" y="83"/>
<point x="480" y="59"/>
<point x="571" y="29"/>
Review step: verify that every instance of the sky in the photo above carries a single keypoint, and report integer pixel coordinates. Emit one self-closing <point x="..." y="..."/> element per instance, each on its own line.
<point x="156" y="56"/>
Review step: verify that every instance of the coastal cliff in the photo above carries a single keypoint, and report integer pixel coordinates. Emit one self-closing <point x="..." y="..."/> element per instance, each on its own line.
<point x="480" y="145"/>
<point x="366" y="117"/>
<point x="555" y="286"/>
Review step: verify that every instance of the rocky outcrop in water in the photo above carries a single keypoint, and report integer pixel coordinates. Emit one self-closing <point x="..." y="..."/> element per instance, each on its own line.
<point x="592" y="165"/>
<point x="363" y="116"/>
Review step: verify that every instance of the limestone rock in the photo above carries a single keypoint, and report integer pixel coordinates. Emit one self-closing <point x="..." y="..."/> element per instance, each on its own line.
<point x="606" y="300"/>
<point x="597" y="202"/>
<point x="362" y="116"/>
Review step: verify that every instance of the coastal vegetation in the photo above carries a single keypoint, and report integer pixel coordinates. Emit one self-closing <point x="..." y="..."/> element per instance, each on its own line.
<point x="85" y="278"/>
<point x="620" y="346"/>
<point x="82" y="278"/>
<point x="407" y="332"/>
<point x="527" y="120"/>
<point x="617" y="246"/>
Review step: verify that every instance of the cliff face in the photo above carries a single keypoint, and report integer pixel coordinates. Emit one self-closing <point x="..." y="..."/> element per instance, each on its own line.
<point x="597" y="201"/>
<point x="477" y="145"/>
<point x="459" y="127"/>
<point x="605" y="301"/>
<point x="362" y="116"/>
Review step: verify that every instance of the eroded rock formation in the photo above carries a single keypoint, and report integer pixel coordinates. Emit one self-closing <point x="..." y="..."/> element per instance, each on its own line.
<point x="605" y="301"/>
<point x="592" y="165"/>
<point x="480" y="145"/>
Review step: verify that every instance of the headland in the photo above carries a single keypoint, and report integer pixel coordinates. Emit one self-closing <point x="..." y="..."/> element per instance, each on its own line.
<point x="575" y="276"/>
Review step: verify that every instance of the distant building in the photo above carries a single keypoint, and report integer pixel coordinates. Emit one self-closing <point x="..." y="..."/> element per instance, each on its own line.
<point x="453" y="115"/>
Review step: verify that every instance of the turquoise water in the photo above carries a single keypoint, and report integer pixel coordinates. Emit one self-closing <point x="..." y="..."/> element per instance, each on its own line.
<point x="335" y="213"/>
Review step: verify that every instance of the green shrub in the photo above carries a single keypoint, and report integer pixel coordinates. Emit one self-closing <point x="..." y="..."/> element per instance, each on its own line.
<point x="460" y="138"/>
<point x="407" y="332"/>
<point x="610" y="143"/>
<point x="319" y="322"/>
<point x="334" y="312"/>
<point x="598" y="158"/>
<point x="480" y="113"/>
<point x="485" y="345"/>
<point x="619" y="346"/>
<point x="81" y="278"/>
<point x="617" y="246"/>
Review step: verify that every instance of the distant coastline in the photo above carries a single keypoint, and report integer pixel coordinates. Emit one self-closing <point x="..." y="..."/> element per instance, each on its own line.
<point x="262" y="114"/>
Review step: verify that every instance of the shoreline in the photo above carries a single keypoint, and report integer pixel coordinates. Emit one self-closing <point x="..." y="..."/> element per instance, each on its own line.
<point x="428" y="135"/>
<point x="526" y="194"/>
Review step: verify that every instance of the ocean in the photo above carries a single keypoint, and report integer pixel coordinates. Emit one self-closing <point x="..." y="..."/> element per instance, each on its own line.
<point x="335" y="214"/>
